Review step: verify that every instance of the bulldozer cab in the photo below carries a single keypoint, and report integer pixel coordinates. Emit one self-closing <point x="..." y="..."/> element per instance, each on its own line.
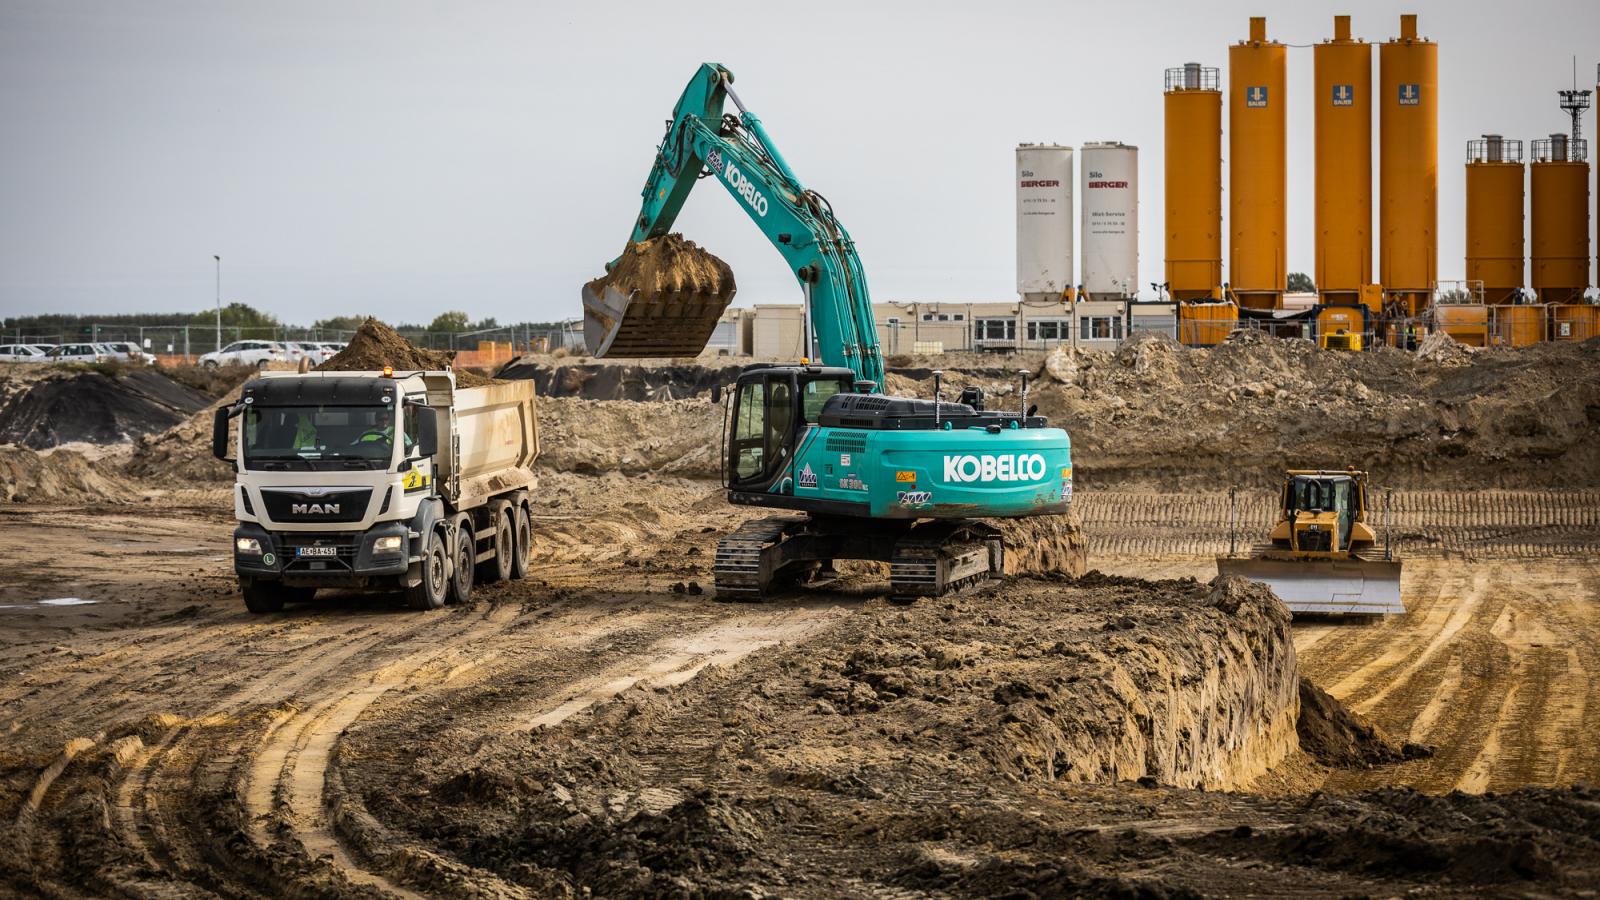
<point x="772" y="407"/>
<point x="1322" y="510"/>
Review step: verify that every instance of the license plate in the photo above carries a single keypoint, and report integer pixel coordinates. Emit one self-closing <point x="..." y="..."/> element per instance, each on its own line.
<point x="316" y="551"/>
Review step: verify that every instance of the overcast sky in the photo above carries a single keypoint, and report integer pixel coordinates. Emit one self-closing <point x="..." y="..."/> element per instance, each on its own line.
<point x="399" y="157"/>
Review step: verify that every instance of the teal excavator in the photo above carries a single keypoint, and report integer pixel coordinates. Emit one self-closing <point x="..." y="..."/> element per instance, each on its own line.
<point x="900" y="480"/>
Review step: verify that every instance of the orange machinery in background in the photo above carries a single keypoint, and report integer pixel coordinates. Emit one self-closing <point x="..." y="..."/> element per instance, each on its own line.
<point x="1408" y="176"/>
<point x="1257" y="178"/>
<point x="1560" y="212"/>
<point x="1206" y="324"/>
<point x="1494" y="217"/>
<point x="1343" y="166"/>
<point x="1193" y="101"/>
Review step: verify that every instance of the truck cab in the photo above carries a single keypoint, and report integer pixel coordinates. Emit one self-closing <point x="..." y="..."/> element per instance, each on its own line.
<point x="380" y="480"/>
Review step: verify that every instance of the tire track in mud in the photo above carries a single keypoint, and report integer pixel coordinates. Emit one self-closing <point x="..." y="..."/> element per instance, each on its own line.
<point x="1492" y="666"/>
<point x="674" y="648"/>
<point x="1515" y="524"/>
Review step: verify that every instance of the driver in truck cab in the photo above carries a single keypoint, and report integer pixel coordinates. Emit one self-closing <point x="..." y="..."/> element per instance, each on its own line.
<point x="383" y="430"/>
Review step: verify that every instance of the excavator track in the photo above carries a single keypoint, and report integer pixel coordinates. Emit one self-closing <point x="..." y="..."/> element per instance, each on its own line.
<point x="936" y="558"/>
<point x="748" y="559"/>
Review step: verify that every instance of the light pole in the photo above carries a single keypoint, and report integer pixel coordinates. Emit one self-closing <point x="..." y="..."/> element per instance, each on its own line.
<point x="219" y="300"/>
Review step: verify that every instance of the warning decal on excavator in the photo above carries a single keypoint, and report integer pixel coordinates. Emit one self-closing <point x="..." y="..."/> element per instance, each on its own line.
<point x="905" y="477"/>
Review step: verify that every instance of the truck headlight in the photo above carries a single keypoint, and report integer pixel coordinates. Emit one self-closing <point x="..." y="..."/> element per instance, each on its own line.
<point x="390" y="544"/>
<point x="248" y="546"/>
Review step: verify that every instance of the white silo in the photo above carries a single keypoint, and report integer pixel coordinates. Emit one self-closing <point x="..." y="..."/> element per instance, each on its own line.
<point x="1044" y="220"/>
<point x="1110" y="199"/>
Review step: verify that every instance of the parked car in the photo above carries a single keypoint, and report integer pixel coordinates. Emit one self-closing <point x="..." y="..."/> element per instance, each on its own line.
<point x="128" y="351"/>
<point x="82" y="353"/>
<point x="317" y="352"/>
<point x="22" y="353"/>
<point x="245" y="353"/>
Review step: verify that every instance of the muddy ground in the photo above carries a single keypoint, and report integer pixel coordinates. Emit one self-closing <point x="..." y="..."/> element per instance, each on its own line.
<point x="609" y="727"/>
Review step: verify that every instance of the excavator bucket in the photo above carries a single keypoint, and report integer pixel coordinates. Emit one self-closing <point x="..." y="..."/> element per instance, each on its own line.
<point x="639" y="325"/>
<point x="1337" y="586"/>
<point x="662" y="297"/>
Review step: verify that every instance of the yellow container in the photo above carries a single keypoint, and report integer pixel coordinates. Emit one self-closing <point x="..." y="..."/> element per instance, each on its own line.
<point x="1256" y="174"/>
<point x="1519" y="326"/>
<point x="1408" y="179"/>
<point x="1193" y="182"/>
<point x="1560" y="239"/>
<point x="1574" y="322"/>
<point x="1468" y="323"/>
<point x="1206" y="324"/>
<point x="1344" y="165"/>
<point x="1494" y="217"/>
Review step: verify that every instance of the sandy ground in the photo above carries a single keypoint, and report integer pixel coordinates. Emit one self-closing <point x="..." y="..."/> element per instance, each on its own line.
<point x="162" y="741"/>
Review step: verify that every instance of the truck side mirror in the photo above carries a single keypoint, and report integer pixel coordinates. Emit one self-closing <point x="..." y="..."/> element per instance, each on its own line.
<point x="427" y="431"/>
<point x="219" y="433"/>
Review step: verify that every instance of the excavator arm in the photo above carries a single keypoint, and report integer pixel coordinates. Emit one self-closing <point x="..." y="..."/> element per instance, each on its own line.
<point x="738" y="152"/>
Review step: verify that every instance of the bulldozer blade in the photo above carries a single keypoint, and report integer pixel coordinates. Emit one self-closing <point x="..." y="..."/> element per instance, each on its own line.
<point x="636" y="326"/>
<point x="1338" y="586"/>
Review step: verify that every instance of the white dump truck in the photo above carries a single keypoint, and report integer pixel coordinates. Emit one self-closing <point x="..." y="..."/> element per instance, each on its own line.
<point x="379" y="480"/>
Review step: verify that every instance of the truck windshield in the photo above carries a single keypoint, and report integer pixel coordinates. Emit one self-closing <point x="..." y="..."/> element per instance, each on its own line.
<point x="320" y="437"/>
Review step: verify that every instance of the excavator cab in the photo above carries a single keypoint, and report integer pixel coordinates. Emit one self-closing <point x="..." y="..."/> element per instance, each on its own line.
<point x="771" y="408"/>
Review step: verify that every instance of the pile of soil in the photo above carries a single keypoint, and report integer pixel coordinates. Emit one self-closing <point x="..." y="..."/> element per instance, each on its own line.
<point x="47" y="406"/>
<point x="181" y="455"/>
<point x="834" y="760"/>
<point x="1157" y="415"/>
<point x="670" y="264"/>
<point x="588" y="437"/>
<point x="375" y="345"/>
<point x="28" y="476"/>
<point x="1335" y="736"/>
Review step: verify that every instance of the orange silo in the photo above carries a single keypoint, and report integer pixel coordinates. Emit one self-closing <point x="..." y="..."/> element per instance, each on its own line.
<point x="1560" y="213"/>
<point x="1257" y="179"/>
<point x="1194" y="182"/>
<point x="1344" y="166"/>
<point x="1495" y="247"/>
<point x="1408" y="174"/>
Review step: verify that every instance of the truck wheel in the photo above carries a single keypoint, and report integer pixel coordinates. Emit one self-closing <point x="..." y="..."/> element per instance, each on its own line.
<point x="461" y="574"/>
<point x="499" y="568"/>
<point x="269" y="596"/>
<point x="522" y="553"/>
<point x="429" y="593"/>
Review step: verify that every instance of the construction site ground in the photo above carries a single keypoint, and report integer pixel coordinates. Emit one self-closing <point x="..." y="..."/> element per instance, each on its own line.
<point x="609" y="727"/>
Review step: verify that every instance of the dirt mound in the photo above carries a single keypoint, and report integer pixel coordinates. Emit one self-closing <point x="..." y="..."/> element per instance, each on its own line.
<point x="1441" y="349"/>
<point x="591" y="437"/>
<point x="181" y="455"/>
<point x="896" y="729"/>
<point x="1338" y="737"/>
<point x="1044" y="545"/>
<point x="670" y="264"/>
<point x="1157" y="415"/>
<point x="27" y="476"/>
<point x="46" y="406"/>
<point x="375" y="345"/>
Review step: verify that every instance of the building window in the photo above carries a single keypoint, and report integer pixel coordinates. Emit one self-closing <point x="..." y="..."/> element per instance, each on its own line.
<point x="961" y="317"/>
<point x="995" y="329"/>
<point x="927" y="317"/>
<point x="894" y="321"/>
<point x="1047" y="330"/>
<point x="1100" y="328"/>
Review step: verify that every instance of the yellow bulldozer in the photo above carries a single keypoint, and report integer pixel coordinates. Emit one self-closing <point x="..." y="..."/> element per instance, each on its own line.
<point x="1322" y="555"/>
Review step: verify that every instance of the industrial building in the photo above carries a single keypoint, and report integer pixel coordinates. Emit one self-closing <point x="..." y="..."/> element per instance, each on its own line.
<point x="1508" y="270"/>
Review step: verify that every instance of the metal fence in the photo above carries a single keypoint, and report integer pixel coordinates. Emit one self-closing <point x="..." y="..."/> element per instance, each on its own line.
<point x="189" y="342"/>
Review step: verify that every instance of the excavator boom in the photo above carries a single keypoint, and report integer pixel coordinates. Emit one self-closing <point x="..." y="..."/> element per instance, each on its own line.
<point x="738" y="152"/>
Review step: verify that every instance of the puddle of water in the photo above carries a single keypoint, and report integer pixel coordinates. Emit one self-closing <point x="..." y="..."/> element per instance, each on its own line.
<point x="67" y="601"/>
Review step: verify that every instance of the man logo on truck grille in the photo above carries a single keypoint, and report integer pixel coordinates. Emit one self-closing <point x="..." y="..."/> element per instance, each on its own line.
<point x="314" y="509"/>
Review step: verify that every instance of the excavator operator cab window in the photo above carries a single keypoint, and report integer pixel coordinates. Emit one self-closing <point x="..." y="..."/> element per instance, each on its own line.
<point x="815" y="394"/>
<point x="763" y="425"/>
